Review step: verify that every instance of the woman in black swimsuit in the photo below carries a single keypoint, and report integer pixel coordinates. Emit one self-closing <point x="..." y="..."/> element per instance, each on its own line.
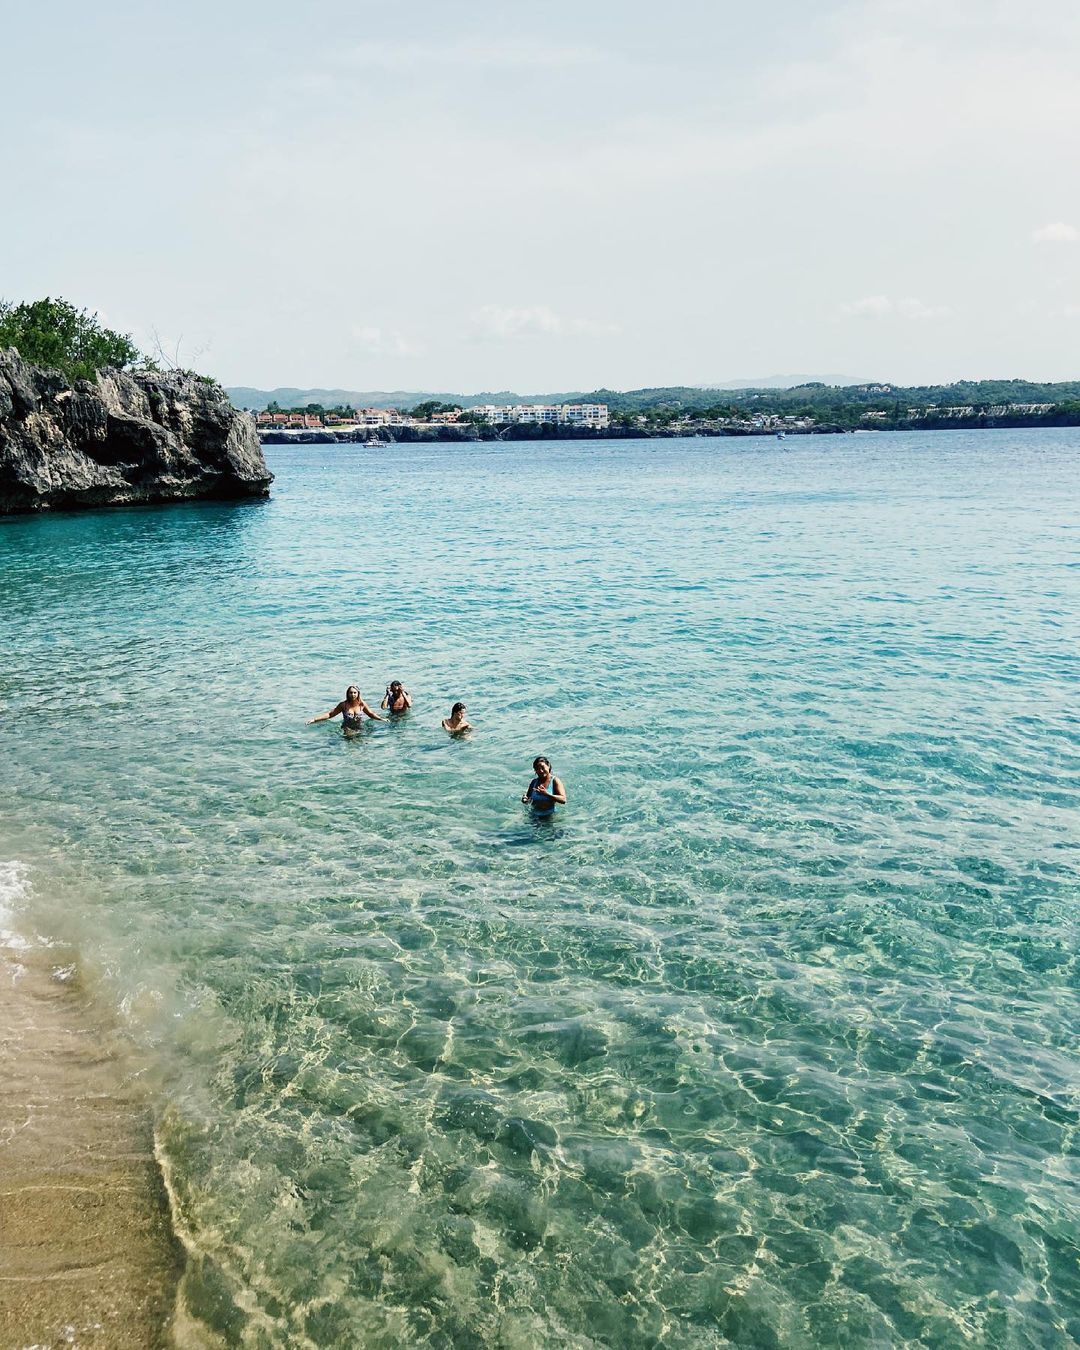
<point x="353" y="710"/>
<point x="545" y="792"/>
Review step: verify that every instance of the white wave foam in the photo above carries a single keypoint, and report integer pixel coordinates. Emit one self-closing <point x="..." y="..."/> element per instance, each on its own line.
<point x="14" y="887"/>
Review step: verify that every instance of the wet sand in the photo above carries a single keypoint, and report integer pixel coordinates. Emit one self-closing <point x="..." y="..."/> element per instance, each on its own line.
<point x="87" y="1254"/>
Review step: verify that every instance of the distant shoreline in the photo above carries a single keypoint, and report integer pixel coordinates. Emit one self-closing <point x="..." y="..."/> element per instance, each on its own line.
<point x="463" y="434"/>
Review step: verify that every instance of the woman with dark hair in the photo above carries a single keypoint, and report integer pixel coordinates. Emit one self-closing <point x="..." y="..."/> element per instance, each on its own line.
<point x="396" y="699"/>
<point x="545" y="792"/>
<point x="455" y="724"/>
<point x="352" y="709"/>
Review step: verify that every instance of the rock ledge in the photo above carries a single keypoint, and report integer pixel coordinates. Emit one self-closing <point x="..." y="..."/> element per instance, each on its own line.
<point x="120" y="439"/>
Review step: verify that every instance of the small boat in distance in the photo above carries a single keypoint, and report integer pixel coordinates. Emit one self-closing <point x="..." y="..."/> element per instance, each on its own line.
<point x="780" y="435"/>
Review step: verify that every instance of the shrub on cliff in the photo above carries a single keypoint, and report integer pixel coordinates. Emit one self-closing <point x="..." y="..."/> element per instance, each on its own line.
<point x="53" y="333"/>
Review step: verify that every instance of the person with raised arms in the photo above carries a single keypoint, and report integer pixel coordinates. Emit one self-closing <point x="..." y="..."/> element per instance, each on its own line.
<point x="396" y="699"/>
<point x="352" y="710"/>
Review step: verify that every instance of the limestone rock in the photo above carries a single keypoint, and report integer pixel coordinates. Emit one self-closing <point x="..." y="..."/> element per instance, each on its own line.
<point x="119" y="439"/>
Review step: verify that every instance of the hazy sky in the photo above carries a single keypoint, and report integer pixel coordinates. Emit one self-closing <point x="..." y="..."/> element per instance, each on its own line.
<point x="476" y="194"/>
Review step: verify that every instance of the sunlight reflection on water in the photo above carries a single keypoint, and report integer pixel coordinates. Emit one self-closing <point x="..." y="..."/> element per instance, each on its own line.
<point x="769" y="1037"/>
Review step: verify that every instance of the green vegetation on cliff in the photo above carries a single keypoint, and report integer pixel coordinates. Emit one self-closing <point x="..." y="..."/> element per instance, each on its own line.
<point x="57" y="335"/>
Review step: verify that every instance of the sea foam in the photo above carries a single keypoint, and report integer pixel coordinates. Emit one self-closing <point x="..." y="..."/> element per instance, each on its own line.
<point x="14" y="889"/>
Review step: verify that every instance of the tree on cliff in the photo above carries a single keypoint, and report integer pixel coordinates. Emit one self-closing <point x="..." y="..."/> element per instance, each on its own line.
<point x="53" y="333"/>
<point x="426" y="410"/>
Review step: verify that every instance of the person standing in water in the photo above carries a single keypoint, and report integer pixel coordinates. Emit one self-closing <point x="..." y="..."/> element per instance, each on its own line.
<point x="396" y="699"/>
<point x="545" y="792"/>
<point x="352" y="709"/>
<point x="456" y="724"/>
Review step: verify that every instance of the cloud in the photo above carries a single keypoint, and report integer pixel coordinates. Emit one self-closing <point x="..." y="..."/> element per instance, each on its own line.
<point x="869" y="307"/>
<point x="376" y="341"/>
<point x="496" y="321"/>
<point x="1056" y="233"/>
<point x="916" y="309"/>
<point x="883" y="307"/>
<point x="502" y="323"/>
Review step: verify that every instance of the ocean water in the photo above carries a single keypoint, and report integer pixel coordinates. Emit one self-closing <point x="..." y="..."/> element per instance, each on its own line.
<point x="770" y="1039"/>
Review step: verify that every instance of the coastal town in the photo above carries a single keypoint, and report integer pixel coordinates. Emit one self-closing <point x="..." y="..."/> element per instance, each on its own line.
<point x="811" y="409"/>
<point x="490" y="421"/>
<point x="592" y="415"/>
<point x="512" y="422"/>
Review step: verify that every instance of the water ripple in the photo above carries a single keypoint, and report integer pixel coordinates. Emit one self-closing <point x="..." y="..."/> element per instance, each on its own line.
<point x="769" y="1040"/>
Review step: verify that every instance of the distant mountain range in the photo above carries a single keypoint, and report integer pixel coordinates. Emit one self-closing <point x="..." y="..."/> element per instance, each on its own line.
<point x="257" y="400"/>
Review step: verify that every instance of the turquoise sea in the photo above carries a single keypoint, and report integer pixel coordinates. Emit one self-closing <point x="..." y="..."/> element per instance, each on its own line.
<point x="771" y="1039"/>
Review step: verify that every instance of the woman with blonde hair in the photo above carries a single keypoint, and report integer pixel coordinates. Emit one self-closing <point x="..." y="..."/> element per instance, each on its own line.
<point x="352" y="710"/>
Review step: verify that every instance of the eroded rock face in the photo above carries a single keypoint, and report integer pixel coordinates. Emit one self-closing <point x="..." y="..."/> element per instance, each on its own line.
<point x="120" y="439"/>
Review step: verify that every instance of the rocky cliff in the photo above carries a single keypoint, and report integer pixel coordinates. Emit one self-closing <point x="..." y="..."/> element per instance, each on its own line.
<point x="120" y="439"/>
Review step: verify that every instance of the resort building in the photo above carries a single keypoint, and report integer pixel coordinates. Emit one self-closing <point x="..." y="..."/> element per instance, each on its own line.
<point x="1011" y="409"/>
<point x="541" y="414"/>
<point x="383" y="417"/>
<point x="584" y="414"/>
<point x="289" y="421"/>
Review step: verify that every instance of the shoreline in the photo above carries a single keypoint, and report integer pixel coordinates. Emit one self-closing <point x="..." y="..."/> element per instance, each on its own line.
<point x="88" y="1253"/>
<point x="474" y="435"/>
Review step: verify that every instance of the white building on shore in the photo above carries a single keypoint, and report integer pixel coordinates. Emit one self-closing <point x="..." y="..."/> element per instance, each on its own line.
<point x="383" y="417"/>
<point x="539" y="414"/>
<point x="584" y="415"/>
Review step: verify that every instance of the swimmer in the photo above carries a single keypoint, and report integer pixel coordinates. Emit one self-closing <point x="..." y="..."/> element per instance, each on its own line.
<point x="456" y="724"/>
<point x="397" y="698"/>
<point x="545" y="792"/>
<point x="353" y="710"/>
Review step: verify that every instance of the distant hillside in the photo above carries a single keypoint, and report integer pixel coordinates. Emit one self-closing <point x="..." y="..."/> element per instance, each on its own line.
<point x="814" y="398"/>
<point x="788" y="382"/>
<point x="258" y="399"/>
<point x="828" y="401"/>
<point x="243" y="396"/>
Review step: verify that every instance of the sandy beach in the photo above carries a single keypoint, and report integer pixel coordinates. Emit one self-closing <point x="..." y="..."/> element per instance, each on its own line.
<point x="87" y="1255"/>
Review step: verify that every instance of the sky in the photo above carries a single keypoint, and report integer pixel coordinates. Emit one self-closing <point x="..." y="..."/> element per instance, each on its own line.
<point x="469" y="195"/>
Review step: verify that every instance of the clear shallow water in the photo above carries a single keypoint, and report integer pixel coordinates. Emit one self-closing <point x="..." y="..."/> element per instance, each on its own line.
<point x="770" y="1039"/>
